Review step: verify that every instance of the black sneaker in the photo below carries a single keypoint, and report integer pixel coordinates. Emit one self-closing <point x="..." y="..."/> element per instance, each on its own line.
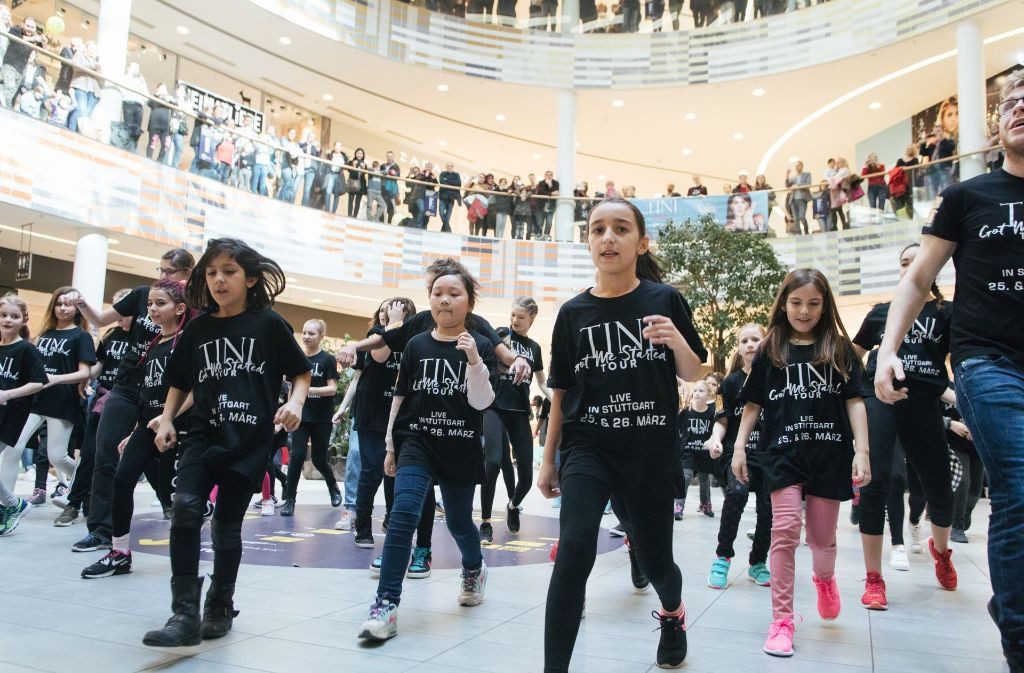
<point x="364" y="539"/>
<point x="384" y="524"/>
<point x="91" y="543"/>
<point x="958" y="535"/>
<point x="486" y="533"/>
<point x="512" y="518"/>
<point x="855" y="514"/>
<point x="114" y="563"/>
<point x="637" y="576"/>
<point x="672" y="645"/>
<point x="617" y="530"/>
<point x="335" y="498"/>
<point x="289" y="507"/>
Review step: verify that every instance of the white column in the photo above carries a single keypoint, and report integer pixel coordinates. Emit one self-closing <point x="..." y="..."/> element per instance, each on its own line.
<point x="570" y="15"/>
<point x="970" y="85"/>
<point x="566" y="176"/>
<point x="90" y="272"/>
<point x="112" y="41"/>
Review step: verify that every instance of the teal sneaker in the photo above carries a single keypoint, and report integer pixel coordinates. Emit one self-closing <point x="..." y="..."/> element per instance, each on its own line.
<point x="759" y="575"/>
<point x="375" y="566"/>
<point x="11" y="516"/>
<point x="419" y="566"/>
<point x="381" y="622"/>
<point x="719" y="575"/>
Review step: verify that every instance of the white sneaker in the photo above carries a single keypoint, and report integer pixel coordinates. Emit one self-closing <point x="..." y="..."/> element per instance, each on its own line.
<point x="915" y="539"/>
<point x="381" y="622"/>
<point x="267" y="508"/>
<point x="473" y="583"/>
<point x="156" y="503"/>
<point x="345" y="523"/>
<point x="898" y="558"/>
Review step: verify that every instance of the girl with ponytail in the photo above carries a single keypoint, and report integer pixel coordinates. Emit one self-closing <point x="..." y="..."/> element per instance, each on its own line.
<point x="169" y="311"/>
<point x="917" y="422"/>
<point x="616" y="353"/>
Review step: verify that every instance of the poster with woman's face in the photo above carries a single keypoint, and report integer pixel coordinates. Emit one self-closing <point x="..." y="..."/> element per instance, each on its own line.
<point x="943" y="118"/>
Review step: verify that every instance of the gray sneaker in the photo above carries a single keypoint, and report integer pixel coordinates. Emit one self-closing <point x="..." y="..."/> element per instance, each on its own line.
<point x="67" y="517"/>
<point x="473" y="582"/>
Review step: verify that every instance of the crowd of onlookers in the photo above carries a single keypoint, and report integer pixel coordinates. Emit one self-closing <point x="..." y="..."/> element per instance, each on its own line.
<point x="617" y="16"/>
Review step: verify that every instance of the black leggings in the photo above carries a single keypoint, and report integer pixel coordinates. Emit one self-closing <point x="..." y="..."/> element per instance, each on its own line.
<point x="320" y="434"/>
<point x="120" y="414"/>
<point x="917" y="501"/>
<point x="894" y="508"/>
<point x="736" y="496"/>
<point x="82" y="482"/>
<point x="969" y="490"/>
<point x="138" y="454"/>
<point x="517" y="424"/>
<point x="917" y="422"/>
<point x="584" y="497"/>
<point x="195" y="481"/>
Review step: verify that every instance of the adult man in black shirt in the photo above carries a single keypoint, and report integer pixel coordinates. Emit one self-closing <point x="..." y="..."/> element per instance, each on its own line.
<point x="980" y="224"/>
<point x="697" y="189"/>
<point x="547" y="187"/>
<point x="424" y="195"/>
<point x="448" y="195"/>
<point x="16" y="59"/>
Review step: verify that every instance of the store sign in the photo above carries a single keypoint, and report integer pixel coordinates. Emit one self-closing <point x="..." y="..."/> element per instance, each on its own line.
<point x="198" y="98"/>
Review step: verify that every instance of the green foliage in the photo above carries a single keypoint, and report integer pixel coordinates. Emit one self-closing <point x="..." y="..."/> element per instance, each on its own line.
<point x="728" y="278"/>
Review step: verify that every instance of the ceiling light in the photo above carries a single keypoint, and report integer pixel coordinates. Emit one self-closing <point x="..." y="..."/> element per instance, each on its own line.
<point x="537" y="157"/>
<point x="442" y="87"/>
<point x="758" y="91"/>
<point x="327" y="97"/>
<point x="737" y="136"/>
<point x="689" y="116"/>
<point x="600" y="177"/>
<point x="113" y="241"/>
<point x="442" y="143"/>
<point x="793" y="160"/>
<point x="183" y="30"/>
<point x="500" y="118"/>
<point x="316" y="301"/>
<point x="577" y="143"/>
<point x="687" y="151"/>
<point x="284" y="40"/>
<point x="875" y="106"/>
<point x="618" y="102"/>
<point x="291" y="279"/>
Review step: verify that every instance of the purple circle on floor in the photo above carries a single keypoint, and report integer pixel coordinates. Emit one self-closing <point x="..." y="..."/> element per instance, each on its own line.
<point x="309" y="540"/>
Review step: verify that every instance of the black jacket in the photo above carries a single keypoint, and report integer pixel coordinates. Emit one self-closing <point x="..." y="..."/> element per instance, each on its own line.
<point x="447" y="193"/>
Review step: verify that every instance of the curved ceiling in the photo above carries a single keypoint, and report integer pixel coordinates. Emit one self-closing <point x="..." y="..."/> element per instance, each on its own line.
<point x="654" y="137"/>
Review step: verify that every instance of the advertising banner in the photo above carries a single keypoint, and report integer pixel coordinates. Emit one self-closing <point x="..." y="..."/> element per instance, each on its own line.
<point x="199" y="97"/>
<point x="735" y="212"/>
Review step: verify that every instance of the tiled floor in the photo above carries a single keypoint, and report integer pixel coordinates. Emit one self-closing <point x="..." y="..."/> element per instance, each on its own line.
<point x="305" y="619"/>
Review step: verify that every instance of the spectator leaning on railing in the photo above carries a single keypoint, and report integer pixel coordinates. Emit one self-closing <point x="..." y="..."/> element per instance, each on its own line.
<point x="800" y="196"/>
<point x="16" y="59"/>
<point x="451" y="184"/>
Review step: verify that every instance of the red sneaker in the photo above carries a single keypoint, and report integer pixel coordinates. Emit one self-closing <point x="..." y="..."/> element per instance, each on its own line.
<point x="945" y="573"/>
<point x="828" y="598"/>
<point x="874" y="593"/>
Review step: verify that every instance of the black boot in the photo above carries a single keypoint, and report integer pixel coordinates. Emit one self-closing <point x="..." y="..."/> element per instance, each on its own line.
<point x="218" y="610"/>
<point x="183" y="626"/>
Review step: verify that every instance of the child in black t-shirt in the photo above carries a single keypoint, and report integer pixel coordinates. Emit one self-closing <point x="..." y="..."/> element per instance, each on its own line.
<point x="616" y="353"/>
<point x="68" y="353"/>
<point x="723" y="437"/>
<point x="434" y="434"/>
<point x="695" y="423"/>
<point x="315" y="427"/>
<point x="21" y="376"/>
<point x="168" y="311"/>
<point x="808" y="381"/>
<point x="232" y="359"/>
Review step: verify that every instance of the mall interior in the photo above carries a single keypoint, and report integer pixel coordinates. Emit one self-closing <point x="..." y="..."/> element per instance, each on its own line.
<point x="355" y="142"/>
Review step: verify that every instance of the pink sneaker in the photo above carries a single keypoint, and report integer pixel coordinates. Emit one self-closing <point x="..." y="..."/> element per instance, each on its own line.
<point x="828" y="598"/>
<point x="780" y="638"/>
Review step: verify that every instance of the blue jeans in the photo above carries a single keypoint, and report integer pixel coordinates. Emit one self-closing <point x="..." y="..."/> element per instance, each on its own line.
<point x="422" y="216"/>
<point x="308" y="178"/>
<point x="177" y="146"/>
<point x="85" y="101"/>
<point x="287" y="191"/>
<point x="330" y="198"/>
<point x="444" y="209"/>
<point x="371" y="473"/>
<point x="411" y="484"/>
<point x="352" y="465"/>
<point x="259" y="179"/>
<point x="990" y="394"/>
<point x="877" y="195"/>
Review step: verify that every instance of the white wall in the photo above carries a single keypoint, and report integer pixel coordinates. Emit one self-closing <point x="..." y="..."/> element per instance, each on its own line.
<point x="888" y="145"/>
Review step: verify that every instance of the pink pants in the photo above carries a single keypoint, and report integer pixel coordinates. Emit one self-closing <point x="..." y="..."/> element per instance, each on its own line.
<point x="822" y="519"/>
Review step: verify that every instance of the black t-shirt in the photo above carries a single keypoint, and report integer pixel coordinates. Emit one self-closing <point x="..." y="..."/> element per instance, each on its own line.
<point x="436" y="428"/>
<point x="923" y="351"/>
<point x="697" y="191"/>
<point x="621" y="399"/>
<point x="153" y="392"/>
<point x="983" y="217"/>
<point x="20" y="363"/>
<point x="376" y="390"/>
<point x="732" y="413"/>
<point x="62" y="351"/>
<point x="320" y="408"/>
<point x="510" y="396"/>
<point x="397" y="338"/>
<point x="140" y="334"/>
<point x="234" y="367"/>
<point x="807" y="437"/>
<point x="111" y="352"/>
<point x="695" y="429"/>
